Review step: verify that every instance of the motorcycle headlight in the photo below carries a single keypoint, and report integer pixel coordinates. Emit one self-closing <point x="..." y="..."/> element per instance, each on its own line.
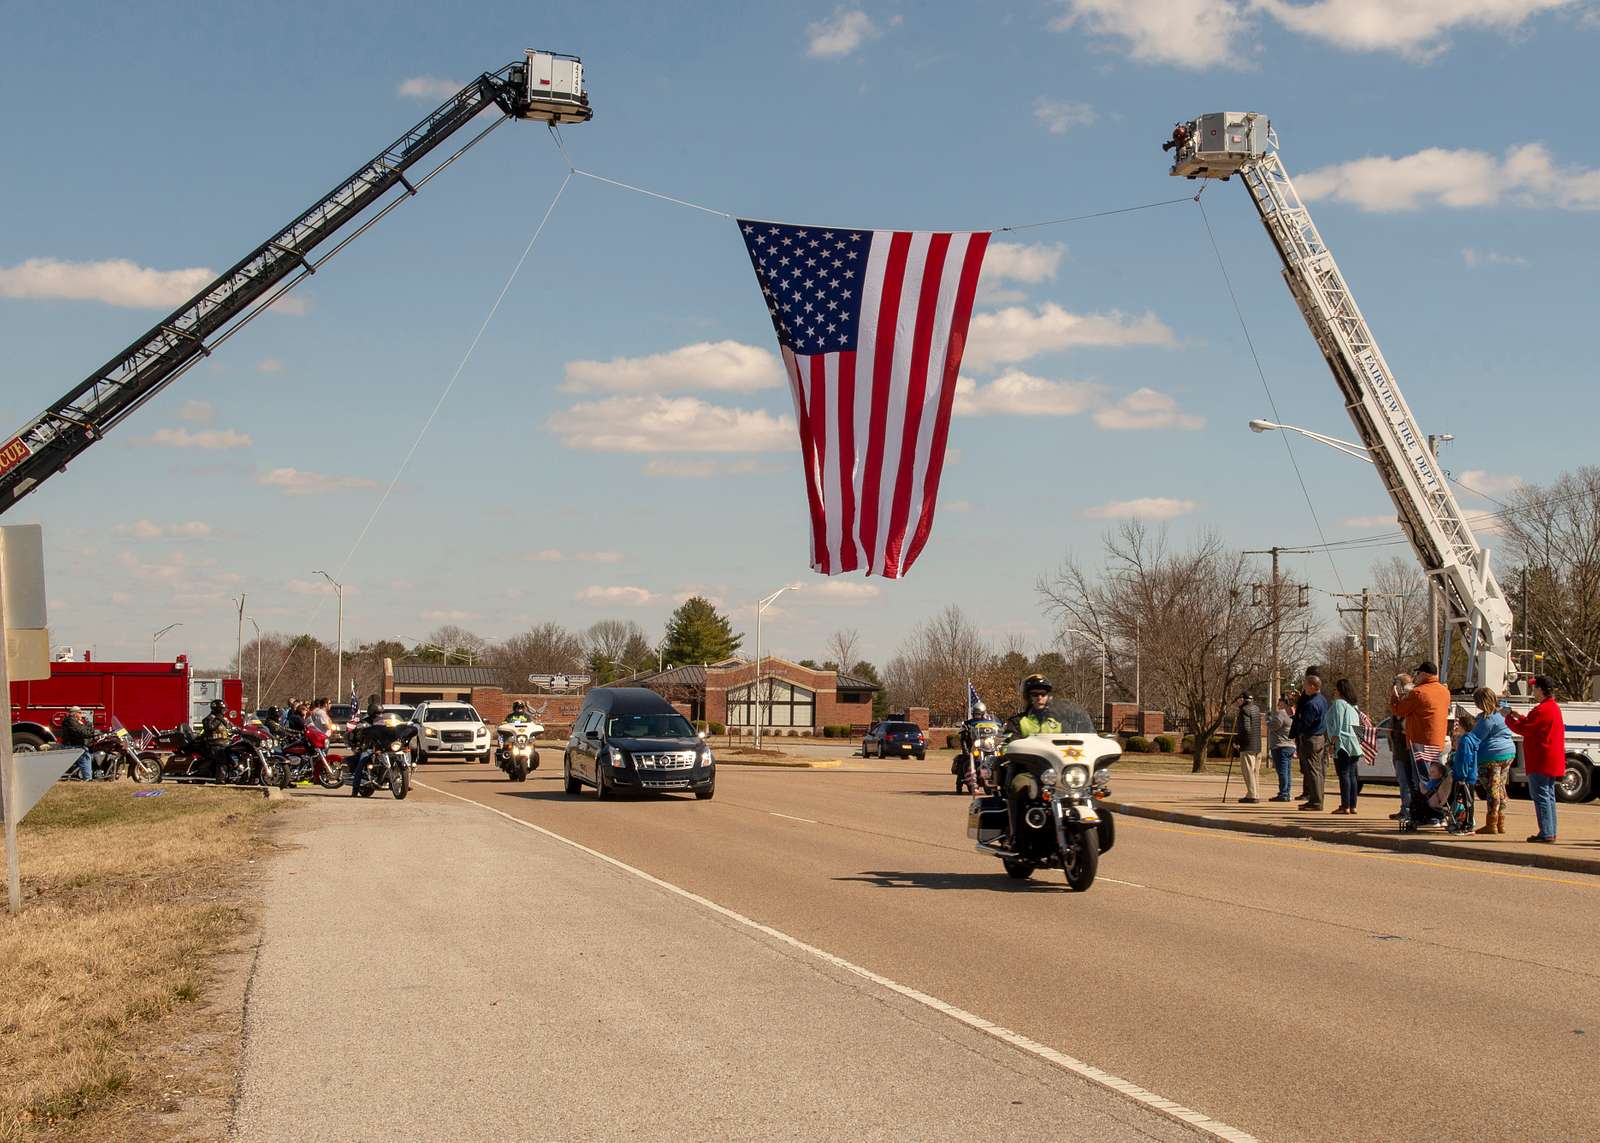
<point x="396" y="747"/>
<point x="1074" y="778"/>
<point x="522" y="740"/>
<point x="1048" y="777"/>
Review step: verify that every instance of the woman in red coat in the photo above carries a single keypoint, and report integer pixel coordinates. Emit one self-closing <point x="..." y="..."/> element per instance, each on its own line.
<point x="1544" y="754"/>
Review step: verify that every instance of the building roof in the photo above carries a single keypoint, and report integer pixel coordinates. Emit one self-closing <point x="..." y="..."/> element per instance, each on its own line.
<point x="694" y="675"/>
<point x="849" y="682"/>
<point x="434" y="675"/>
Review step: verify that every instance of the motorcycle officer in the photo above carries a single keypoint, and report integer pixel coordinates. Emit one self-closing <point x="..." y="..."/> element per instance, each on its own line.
<point x="77" y="730"/>
<point x="1039" y="715"/>
<point x="519" y="713"/>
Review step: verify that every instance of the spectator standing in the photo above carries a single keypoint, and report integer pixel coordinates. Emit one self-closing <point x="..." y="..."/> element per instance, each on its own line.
<point x="1282" y="741"/>
<point x="1426" y="711"/>
<point x="1544" y="754"/>
<point x="1309" y="712"/>
<point x="1339" y="727"/>
<point x="1247" y="737"/>
<point x="1400" y="752"/>
<point x="1463" y="774"/>
<point x="319" y="718"/>
<point x="1496" y="752"/>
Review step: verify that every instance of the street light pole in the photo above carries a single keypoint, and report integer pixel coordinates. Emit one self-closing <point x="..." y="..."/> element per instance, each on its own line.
<point x="755" y="685"/>
<point x="1346" y="447"/>
<point x="338" y="685"/>
<point x="257" y="626"/>
<point x="238" y="655"/>
<point x="157" y="635"/>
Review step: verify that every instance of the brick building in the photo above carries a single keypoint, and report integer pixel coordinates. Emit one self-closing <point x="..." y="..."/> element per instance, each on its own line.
<point x="792" y="697"/>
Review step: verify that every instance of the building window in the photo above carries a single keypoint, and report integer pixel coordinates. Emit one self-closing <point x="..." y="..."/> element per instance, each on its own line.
<point x="783" y="705"/>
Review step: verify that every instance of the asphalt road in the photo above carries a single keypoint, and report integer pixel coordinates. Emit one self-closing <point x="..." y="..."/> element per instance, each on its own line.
<point x="1291" y="989"/>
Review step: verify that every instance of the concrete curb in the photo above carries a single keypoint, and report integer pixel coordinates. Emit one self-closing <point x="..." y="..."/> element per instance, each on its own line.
<point x="821" y="764"/>
<point x="1430" y="845"/>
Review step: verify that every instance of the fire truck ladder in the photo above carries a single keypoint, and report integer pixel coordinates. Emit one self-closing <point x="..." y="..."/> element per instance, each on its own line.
<point x="164" y="353"/>
<point x="1429" y="515"/>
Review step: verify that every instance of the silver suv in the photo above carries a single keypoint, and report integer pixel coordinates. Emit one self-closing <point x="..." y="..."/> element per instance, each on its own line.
<point x="451" y="729"/>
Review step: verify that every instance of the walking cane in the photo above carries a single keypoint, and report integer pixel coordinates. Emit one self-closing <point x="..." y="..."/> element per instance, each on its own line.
<point x="1229" y="779"/>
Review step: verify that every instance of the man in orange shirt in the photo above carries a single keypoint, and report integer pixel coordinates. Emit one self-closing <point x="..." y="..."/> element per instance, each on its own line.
<point x="1426" y="711"/>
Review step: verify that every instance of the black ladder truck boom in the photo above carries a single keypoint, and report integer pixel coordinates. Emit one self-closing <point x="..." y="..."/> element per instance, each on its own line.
<point x="542" y="86"/>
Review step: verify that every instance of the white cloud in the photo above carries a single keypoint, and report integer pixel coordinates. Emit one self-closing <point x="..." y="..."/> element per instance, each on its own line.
<point x="150" y="530"/>
<point x="1207" y="33"/>
<point x="626" y="596"/>
<point x="1490" y="484"/>
<point x="840" y="34"/>
<point x="196" y="438"/>
<point x="427" y="87"/>
<point x="1476" y="258"/>
<point x="121" y="597"/>
<point x="1146" y="409"/>
<point x="269" y="365"/>
<point x="705" y="469"/>
<point x="299" y="482"/>
<point x="1017" y="333"/>
<point x="1146" y="508"/>
<point x="598" y="557"/>
<point x="1388" y="521"/>
<point x="1015" y="393"/>
<point x="449" y="616"/>
<point x="196" y="412"/>
<point x="1058" y="116"/>
<point x="296" y="305"/>
<point x="545" y="556"/>
<point x="840" y="591"/>
<point x="1413" y="28"/>
<point x="1189" y="33"/>
<point x="723" y="366"/>
<point x="116" y="282"/>
<point x="670" y="424"/>
<point x="1022" y="261"/>
<point x="958" y="506"/>
<point x="1526" y="176"/>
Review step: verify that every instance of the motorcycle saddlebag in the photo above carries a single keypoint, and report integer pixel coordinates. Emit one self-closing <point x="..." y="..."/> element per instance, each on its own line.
<point x="986" y="818"/>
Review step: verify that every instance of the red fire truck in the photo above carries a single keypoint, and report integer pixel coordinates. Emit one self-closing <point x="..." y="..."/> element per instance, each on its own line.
<point x="160" y="695"/>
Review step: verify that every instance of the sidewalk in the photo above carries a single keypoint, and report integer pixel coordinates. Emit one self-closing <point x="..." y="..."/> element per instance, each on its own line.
<point x="430" y="971"/>
<point x="1197" y="800"/>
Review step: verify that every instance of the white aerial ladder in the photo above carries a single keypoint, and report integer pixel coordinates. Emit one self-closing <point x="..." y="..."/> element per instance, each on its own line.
<point x="1223" y="144"/>
<point x="1220" y="145"/>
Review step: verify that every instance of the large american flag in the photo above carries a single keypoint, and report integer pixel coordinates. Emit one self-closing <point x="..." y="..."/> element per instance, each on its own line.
<point x="871" y="324"/>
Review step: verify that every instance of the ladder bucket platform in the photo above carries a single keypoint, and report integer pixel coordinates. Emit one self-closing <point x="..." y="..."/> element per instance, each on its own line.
<point x="554" y="91"/>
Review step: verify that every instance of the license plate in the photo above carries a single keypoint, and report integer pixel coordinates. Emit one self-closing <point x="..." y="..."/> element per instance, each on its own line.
<point x="1087" y="813"/>
<point x="458" y="746"/>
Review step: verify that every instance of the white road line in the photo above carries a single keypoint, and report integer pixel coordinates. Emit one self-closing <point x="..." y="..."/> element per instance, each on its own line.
<point x="1129" y="884"/>
<point x="1150" y="1099"/>
<point x="791" y="817"/>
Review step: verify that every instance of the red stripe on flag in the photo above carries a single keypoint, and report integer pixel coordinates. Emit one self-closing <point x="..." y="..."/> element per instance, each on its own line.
<point x="845" y="401"/>
<point x="916" y="394"/>
<point x="894" y="273"/>
<point x="803" y="423"/>
<point x="965" y="291"/>
<point x="817" y="461"/>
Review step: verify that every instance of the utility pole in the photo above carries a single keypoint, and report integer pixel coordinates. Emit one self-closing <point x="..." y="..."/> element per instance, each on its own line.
<point x="338" y="639"/>
<point x="1275" y="603"/>
<point x="1366" y="597"/>
<point x="239" y="650"/>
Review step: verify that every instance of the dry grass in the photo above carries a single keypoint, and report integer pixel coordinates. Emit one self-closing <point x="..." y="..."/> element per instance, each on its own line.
<point x="125" y="902"/>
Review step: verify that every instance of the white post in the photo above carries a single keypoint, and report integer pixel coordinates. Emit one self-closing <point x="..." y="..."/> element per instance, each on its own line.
<point x="1103" y="686"/>
<point x="338" y="684"/>
<point x="8" y="771"/>
<point x="755" y="683"/>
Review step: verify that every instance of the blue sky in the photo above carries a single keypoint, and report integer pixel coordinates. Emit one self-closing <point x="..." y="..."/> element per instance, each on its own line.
<point x="620" y="437"/>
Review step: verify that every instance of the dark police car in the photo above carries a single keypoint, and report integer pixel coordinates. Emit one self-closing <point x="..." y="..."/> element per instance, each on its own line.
<point x="630" y="738"/>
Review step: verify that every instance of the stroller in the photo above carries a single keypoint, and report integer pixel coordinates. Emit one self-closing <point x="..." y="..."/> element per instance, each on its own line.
<point x="1446" y="800"/>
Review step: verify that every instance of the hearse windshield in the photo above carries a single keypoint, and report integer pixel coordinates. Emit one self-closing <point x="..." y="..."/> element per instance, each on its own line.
<point x="650" y="726"/>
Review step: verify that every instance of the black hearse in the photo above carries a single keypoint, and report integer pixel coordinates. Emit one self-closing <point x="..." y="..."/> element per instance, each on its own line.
<point x="630" y="738"/>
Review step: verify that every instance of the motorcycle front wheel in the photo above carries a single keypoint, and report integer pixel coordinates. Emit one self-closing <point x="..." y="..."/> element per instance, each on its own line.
<point x="1084" y="861"/>
<point x="1107" y="829"/>
<point x="145" y="768"/>
<point x="400" y="782"/>
<point x="330" y="776"/>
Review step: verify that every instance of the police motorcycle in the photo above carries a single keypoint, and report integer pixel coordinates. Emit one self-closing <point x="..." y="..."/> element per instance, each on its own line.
<point x="515" y="753"/>
<point x="386" y="744"/>
<point x="1043" y="813"/>
<point x="974" y="767"/>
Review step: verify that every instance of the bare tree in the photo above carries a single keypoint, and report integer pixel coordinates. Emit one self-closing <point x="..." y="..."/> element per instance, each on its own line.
<point x="292" y="667"/>
<point x="548" y="648"/>
<point x="933" y="665"/>
<point x="1553" y="533"/>
<point x="458" y="642"/>
<point x="1200" y="638"/>
<point x="842" y="646"/>
<point x="617" y="647"/>
<point x="1399" y="617"/>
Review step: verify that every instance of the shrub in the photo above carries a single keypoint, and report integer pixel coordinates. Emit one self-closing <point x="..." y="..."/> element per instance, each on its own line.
<point x="1217" y="747"/>
<point x="700" y="724"/>
<point x="841" y="730"/>
<point x="1164" y="744"/>
<point x="952" y="742"/>
<point x="1187" y="746"/>
<point x="827" y="732"/>
<point x="717" y="728"/>
<point x="1139" y="744"/>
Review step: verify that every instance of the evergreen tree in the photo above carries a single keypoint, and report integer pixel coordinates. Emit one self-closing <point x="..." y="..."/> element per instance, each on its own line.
<point x="696" y="633"/>
<point x="880" y="697"/>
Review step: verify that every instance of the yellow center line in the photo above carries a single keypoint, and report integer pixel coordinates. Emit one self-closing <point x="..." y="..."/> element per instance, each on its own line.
<point x="1327" y="849"/>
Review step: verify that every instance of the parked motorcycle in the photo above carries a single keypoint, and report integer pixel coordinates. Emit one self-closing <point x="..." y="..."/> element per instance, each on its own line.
<point x="516" y="754"/>
<point x="1046" y="786"/>
<point x="114" y="748"/>
<point x="974" y="768"/>
<point x="240" y="761"/>
<point x="389" y="757"/>
<point x="304" y="757"/>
